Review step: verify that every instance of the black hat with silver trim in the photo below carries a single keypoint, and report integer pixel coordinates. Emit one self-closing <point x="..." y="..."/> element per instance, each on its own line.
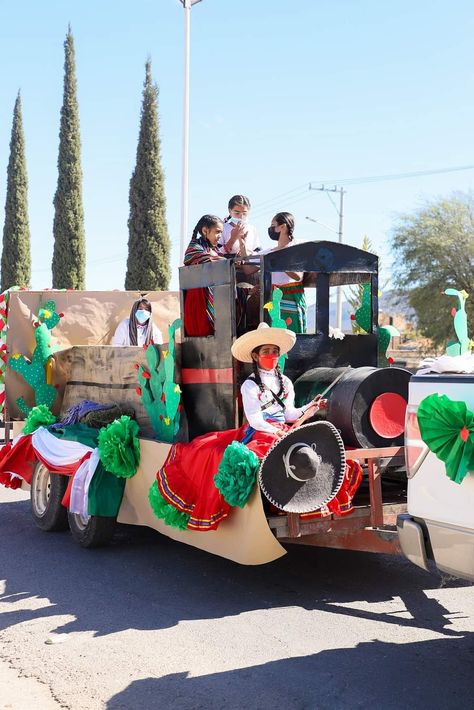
<point x="304" y="469"/>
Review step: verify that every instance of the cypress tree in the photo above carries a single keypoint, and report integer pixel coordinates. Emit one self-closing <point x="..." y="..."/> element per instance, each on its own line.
<point x="16" y="257"/>
<point x="148" y="263"/>
<point x="69" y="254"/>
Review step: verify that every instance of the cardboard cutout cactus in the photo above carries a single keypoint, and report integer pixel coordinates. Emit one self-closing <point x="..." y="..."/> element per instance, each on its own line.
<point x="463" y="344"/>
<point x="34" y="371"/>
<point x="161" y="395"/>
<point x="363" y="318"/>
<point x="274" y="311"/>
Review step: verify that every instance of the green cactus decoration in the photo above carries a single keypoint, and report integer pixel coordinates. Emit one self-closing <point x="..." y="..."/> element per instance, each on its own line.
<point x="463" y="344"/>
<point x="161" y="395"/>
<point x="363" y="318"/>
<point x="363" y="315"/>
<point x="274" y="311"/>
<point x="33" y="371"/>
<point x="384" y="334"/>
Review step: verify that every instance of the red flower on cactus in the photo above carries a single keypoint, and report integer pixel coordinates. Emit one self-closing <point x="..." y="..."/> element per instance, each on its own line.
<point x="146" y="375"/>
<point x="161" y="417"/>
<point x="138" y="390"/>
<point x="163" y="397"/>
<point x="136" y="366"/>
<point x="61" y="315"/>
<point x="390" y="360"/>
<point x="288" y="321"/>
<point x="453" y="312"/>
<point x="353" y="316"/>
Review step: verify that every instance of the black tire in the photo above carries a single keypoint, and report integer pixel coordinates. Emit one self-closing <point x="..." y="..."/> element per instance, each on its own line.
<point x="46" y="493"/>
<point x="94" y="531"/>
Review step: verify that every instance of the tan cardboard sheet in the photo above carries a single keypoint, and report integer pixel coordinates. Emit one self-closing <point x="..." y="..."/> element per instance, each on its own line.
<point x="90" y="318"/>
<point x="243" y="537"/>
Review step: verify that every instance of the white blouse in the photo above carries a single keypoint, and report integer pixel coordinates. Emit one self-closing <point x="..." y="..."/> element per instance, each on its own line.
<point x="122" y="337"/>
<point x="251" y="243"/>
<point x="253" y="399"/>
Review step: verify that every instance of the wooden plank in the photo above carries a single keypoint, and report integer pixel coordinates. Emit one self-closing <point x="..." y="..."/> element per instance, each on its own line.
<point x="358" y="540"/>
<point x="293" y="525"/>
<point x="388" y="451"/>
<point x="375" y="492"/>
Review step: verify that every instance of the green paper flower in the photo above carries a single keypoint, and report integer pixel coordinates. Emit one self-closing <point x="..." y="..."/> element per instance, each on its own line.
<point x="119" y="448"/>
<point x="38" y="416"/>
<point x="447" y="428"/>
<point x="164" y="510"/>
<point x="237" y="474"/>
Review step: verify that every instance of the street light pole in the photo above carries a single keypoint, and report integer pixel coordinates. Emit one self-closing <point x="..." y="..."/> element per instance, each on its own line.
<point x="187" y="5"/>
<point x="340" y="233"/>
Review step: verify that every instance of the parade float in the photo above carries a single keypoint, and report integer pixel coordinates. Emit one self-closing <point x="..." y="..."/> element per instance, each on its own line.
<point x="94" y="424"/>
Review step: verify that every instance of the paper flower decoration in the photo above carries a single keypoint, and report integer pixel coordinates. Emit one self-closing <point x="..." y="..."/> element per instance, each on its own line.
<point x="447" y="428"/>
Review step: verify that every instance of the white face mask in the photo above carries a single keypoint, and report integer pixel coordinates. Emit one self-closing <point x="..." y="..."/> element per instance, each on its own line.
<point x="142" y="316"/>
<point x="238" y="220"/>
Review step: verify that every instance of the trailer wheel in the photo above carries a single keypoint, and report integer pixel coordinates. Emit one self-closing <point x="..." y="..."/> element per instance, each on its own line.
<point x="46" y="494"/>
<point x="91" y="530"/>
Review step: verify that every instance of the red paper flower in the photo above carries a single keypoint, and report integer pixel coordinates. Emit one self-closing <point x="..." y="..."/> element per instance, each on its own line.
<point x="390" y="360"/>
<point x="353" y="316"/>
<point x="464" y="433"/>
<point x="138" y="390"/>
<point x="163" y="397"/>
<point x="146" y="375"/>
<point x="136" y="366"/>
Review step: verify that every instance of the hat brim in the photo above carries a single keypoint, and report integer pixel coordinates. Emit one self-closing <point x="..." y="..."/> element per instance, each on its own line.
<point x="293" y="496"/>
<point x="243" y="346"/>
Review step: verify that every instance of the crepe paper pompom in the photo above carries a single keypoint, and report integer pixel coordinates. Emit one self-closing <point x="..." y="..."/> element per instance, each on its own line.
<point x="138" y="390"/>
<point x="165" y="511"/>
<point x="353" y="316"/>
<point x="237" y="473"/>
<point x="390" y="360"/>
<point x="61" y="315"/>
<point x="119" y="448"/>
<point x="38" y="416"/>
<point x="447" y="428"/>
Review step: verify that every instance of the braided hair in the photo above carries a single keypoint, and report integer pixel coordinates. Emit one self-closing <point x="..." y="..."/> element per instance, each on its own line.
<point x="287" y="219"/>
<point x="255" y="376"/>
<point x="237" y="201"/>
<point x="207" y="220"/>
<point x="132" y="323"/>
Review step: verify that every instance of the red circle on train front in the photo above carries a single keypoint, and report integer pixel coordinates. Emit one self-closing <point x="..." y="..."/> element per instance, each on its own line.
<point x="387" y="415"/>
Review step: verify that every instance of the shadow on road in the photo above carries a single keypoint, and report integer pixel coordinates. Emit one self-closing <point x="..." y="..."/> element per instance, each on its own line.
<point x="377" y="674"/>
<point x="146" y="581"/>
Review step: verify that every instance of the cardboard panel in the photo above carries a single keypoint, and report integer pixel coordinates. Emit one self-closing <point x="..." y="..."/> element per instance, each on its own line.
<point x="90" y="319"/>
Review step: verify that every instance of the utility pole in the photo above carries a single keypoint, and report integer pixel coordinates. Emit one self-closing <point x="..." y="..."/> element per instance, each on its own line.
<point x="187" y="5"/>
<point x="340" y="232"/>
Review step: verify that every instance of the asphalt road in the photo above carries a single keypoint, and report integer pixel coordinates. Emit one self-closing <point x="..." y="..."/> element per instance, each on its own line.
<point x="148" y="623"/>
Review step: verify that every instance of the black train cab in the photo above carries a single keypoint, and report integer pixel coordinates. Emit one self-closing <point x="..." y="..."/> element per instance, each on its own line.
<point x="209" y="375"/>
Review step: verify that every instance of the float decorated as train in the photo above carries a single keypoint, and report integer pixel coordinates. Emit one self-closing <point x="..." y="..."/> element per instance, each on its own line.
<point x="190" y="386"/>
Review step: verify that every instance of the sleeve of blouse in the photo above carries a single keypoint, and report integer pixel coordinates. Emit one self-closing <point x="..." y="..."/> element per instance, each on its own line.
<point x="120" y="337"/>
<point x="292" y="413"/>
<point x="157" y="335"/>
<point x="252" y="409"/>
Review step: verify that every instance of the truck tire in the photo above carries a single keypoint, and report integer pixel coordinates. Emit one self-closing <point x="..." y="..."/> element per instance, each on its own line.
<point x="46" y="493"/>
<point x="92" y="530"/>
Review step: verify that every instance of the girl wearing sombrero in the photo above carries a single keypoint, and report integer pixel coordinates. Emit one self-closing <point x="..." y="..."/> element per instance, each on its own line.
<point x="186" y="479"/>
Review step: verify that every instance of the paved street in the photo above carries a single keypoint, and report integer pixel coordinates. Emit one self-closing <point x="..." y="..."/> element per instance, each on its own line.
<point x="148" y="623"/>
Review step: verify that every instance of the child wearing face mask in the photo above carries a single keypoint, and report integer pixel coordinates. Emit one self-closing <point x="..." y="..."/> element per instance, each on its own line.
<point x="139" y="328"/>
<point x="238" y="236"/>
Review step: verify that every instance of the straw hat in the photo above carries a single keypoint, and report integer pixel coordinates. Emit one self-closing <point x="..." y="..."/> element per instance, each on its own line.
<point x="263" y="335"/>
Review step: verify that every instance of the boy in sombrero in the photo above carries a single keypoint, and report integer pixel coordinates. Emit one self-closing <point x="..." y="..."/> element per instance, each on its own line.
<point x="186" y="479"/>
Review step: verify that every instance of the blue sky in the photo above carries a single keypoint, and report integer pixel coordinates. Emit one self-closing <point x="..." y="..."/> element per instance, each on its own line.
<point x="282" y="93"/>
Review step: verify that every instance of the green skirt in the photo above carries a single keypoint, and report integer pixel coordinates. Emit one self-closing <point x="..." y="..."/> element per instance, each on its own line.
<point x="293" y="307"/>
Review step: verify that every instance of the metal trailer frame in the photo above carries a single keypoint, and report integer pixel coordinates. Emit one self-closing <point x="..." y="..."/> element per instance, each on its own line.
<point x="369" y="528"/>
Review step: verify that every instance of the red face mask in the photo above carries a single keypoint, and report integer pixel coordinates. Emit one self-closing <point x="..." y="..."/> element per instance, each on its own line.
<point x="269" y="362"/>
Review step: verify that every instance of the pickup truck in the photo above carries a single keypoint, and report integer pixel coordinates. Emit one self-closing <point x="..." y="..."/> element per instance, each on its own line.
<point x="438" y="526"/>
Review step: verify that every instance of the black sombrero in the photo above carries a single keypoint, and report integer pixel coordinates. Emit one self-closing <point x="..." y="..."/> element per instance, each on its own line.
<point x="304" y="469"/>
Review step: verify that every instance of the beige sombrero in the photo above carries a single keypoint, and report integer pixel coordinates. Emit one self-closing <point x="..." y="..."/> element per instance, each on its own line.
<point x="264" y="335"/>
